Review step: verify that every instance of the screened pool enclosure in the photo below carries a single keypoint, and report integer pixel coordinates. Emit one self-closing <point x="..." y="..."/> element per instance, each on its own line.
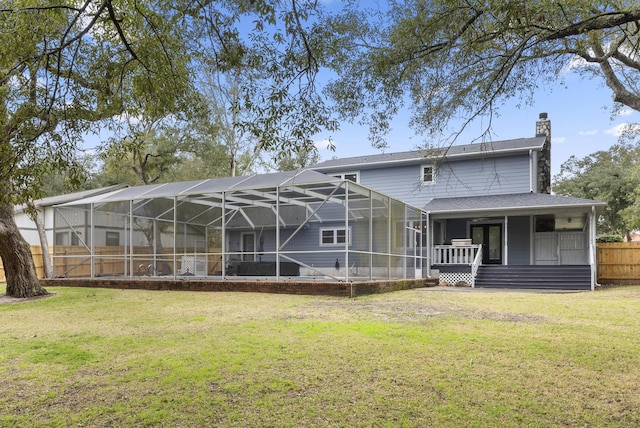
<point x="288" y="224"/>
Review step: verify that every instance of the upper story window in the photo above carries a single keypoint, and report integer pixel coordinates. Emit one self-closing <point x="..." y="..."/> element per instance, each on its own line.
<point x="427" y="174"/>
<point x="351" y="176"/>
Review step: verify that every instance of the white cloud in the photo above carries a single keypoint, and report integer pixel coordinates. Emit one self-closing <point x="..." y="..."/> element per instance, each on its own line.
<point x="620" y="129"/>
<point x="588" y="133"/>
<point x="324" y="144"/>
<point x="558" y="140"/>
<point x="625" y="112"/>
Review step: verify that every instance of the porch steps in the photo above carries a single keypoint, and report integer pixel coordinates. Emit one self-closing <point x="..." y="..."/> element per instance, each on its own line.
<point x="566" y="277"/>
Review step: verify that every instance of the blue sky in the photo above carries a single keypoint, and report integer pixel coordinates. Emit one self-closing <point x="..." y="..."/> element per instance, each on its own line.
<point x="580" y="112"/>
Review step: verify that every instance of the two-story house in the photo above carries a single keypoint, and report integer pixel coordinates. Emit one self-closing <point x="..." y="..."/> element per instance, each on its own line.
<point x="481" y="214"/>
<point x="492" y="220"/>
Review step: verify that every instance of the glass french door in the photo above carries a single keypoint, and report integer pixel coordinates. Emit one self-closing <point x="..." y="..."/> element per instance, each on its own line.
<point x="490" y="236"/>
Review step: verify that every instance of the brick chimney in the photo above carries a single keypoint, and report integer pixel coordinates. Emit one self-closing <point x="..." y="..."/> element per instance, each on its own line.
<point x="543" y="129"/>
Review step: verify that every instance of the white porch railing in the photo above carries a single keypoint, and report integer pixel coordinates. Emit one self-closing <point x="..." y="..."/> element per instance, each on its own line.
<point x="474" y="267"/>
<point x="455" y="255"/>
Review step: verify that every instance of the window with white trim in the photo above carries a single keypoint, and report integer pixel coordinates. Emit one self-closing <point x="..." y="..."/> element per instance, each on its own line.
<point x="112" y="239"/>
<point x="351" y="176"/>
<point x="334" y="236"/>
<point x="427" y="174"/>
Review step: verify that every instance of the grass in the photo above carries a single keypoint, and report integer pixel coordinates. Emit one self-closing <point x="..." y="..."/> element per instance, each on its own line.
<point x="94" y="357"/>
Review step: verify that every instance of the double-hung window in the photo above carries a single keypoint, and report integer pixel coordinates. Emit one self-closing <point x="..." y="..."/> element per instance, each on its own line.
<point x="334" y="236"/>
<point x="427" y="174"/>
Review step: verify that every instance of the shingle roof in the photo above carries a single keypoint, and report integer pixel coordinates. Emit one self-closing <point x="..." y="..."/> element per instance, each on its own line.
<point x="477" y="149"/>
<point x="518" y="201"/>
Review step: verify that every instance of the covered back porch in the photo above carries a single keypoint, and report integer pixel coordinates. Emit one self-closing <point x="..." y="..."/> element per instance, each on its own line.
<point x="488" y="241"/>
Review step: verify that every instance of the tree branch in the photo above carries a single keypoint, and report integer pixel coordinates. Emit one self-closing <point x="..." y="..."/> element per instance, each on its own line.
<point x="620" y="92"/>
<point x="599" y="22"/>
<point x="123" y="37"/>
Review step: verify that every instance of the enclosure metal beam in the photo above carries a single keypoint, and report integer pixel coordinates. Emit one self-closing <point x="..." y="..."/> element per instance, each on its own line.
<point x="223" y="238"/>
<point x="592" y="247"/>
<point x="278" y="234"/>
<point x="346" y="231"/>
<point x="370" y="236"/>
<point x="131" y="250"/>
<point x="92" y="243"/>
<point x="175" y="237"/>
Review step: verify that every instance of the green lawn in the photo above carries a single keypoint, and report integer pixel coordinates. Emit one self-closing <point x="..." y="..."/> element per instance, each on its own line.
<point x="94" y="357"/>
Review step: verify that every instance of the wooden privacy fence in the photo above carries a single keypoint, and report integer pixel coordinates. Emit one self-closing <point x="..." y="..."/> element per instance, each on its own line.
<point x="75" y="261"/>
<point x="36" y="252"/>
<point x="619" y="263"/>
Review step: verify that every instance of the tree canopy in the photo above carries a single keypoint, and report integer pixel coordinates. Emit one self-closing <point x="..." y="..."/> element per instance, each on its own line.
<point x="73" y="66"/>
<point x="612" y="176"/>
<point x="460" y="59"/>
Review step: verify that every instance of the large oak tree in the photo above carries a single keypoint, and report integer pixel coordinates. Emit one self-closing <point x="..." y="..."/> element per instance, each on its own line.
<point x="64" y="67"/>
<point x="452" y="59"/>
<point x="70" y="66"/>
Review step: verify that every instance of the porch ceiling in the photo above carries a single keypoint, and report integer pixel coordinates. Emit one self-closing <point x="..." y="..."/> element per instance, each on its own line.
<point x="511" y="204"/>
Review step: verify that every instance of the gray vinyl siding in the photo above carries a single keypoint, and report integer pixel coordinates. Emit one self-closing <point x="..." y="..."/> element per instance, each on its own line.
<point x="472" y="177"/>
<point x="455" y="229"/>
<point x="400" y="182"/>
<point x="519" y="237"/>
<point x="307" y="240"/>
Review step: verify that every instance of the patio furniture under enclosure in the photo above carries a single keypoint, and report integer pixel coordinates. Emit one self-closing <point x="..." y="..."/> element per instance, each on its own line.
<point x="289" y="224"/>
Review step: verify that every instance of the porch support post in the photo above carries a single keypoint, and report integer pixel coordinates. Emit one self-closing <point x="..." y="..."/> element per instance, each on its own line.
<point x="532" y="240"/>
<point x="506" y="240"/>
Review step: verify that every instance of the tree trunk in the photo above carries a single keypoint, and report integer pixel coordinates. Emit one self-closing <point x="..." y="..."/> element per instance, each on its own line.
<point x="17" y="260"/>
<point x="44" y="243"/>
